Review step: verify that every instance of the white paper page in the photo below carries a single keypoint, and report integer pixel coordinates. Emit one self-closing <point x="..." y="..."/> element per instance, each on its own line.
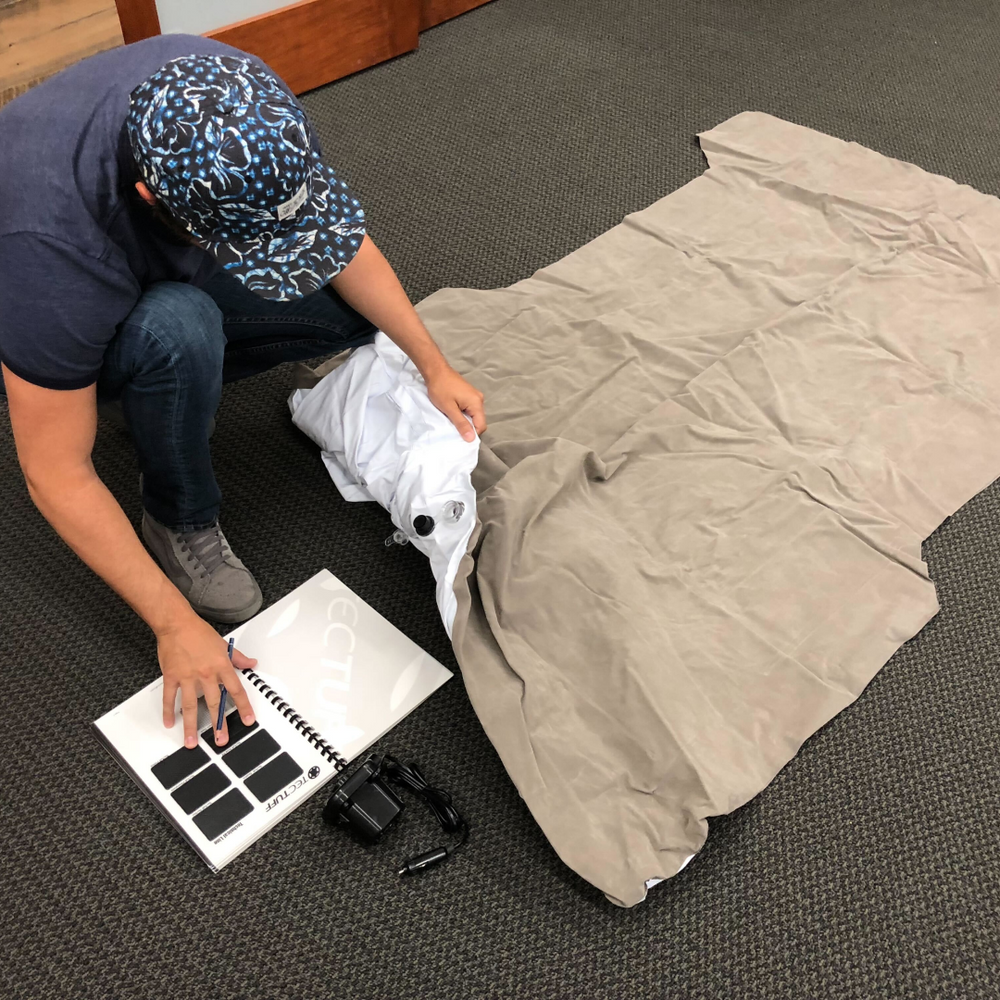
<point x="343" y="666"/>
<point x="289" y="770"/>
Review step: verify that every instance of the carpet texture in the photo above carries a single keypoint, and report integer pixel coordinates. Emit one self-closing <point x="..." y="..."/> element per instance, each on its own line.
<point x="869" y="868"/>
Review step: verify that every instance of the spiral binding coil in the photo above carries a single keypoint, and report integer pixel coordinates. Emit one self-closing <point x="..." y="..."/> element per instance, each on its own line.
<point x="303" y="727"/>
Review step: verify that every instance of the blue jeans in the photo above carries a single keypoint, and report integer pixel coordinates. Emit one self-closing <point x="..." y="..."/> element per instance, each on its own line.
<point x="170" y="357"/>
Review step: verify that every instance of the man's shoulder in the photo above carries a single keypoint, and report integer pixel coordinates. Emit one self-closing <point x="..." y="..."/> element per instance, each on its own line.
<point x="60" y="142"/>
<point x="35" y="252"/>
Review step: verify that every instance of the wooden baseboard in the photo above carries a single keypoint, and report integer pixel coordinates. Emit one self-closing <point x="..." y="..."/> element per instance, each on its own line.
<point x="138" y="20"/>
<point x="316" y="41"/>
<point x="433" y="12"/>
<point x="308" y="44"/>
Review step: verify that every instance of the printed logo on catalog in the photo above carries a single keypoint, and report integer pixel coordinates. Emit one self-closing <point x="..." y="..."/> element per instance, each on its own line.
<point x="286" y="791"/>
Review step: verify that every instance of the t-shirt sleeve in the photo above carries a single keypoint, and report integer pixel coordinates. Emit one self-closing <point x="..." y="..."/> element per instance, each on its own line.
<point x="59" y="310"/>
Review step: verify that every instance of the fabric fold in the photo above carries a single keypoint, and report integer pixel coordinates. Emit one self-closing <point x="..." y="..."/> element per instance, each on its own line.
<point x="718" y="435"/>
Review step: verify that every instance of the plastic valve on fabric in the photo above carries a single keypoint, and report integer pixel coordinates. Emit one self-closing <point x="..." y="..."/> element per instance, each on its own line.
<point x="453" y="510"/>
<point x="398" y="537"/>
<point x="423" y="525"/>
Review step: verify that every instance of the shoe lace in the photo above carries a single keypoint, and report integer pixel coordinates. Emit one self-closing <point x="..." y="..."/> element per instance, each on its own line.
<point x="207" y="545"/>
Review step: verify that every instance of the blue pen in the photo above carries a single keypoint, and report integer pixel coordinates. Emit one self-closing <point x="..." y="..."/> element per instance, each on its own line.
<point x="222" y="692"/>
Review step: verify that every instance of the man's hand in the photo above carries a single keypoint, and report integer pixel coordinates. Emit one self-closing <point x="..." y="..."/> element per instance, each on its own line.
<point x="194" y="659"/>
<point x="457" y="400"/>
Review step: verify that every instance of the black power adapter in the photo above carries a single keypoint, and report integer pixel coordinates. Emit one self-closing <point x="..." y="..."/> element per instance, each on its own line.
<point x="365" y="802"/>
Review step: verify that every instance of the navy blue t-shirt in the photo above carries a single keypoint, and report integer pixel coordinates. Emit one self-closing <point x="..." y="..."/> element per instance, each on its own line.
<point x="77" y="244"/>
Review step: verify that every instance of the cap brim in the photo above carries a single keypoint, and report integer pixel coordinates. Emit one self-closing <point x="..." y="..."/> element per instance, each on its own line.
<point x="305" y="252"/>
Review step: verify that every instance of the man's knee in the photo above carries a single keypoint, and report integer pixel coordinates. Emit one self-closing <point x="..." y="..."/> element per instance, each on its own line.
<point x="173" y="325"/>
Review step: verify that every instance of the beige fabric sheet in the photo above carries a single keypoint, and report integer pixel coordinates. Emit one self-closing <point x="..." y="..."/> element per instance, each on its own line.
<point x="719" y="433"/>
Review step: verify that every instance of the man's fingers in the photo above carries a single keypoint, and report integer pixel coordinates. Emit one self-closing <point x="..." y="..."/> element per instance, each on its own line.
<point x="456" y="415"/>
<point x="212" y="698"/>
<point x="242" y="662"/>
<point x="169" y="698"/>
<point x="189" y="708"/>
<point x="194" y="661"/>
<point x="236" y="692"/>
<point x="478" y="413"/>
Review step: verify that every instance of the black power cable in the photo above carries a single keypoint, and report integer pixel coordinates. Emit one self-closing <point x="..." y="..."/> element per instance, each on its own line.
<point x="369" y="806"/>
<point x="410" y="777"/>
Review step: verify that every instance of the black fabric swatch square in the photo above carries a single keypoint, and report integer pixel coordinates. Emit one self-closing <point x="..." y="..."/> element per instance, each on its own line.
<point x="223" y="813"/>
<point x="203" y="786"/>
<point x="273" y="777"/>
<point x="245" y="757"/>
<point x="179" y="765"/>
<point x="236" y="728"/>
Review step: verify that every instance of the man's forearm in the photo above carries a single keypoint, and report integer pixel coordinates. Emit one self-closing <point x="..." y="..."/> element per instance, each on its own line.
<point x="90" y="521"/>
<point x="370" y="285"/>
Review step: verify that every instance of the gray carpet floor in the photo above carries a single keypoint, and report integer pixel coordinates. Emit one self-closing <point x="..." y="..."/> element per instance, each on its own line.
<point x="870" y="867"/>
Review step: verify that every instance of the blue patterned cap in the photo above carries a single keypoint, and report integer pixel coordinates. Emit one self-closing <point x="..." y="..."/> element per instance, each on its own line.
<point x="226" y="148"/>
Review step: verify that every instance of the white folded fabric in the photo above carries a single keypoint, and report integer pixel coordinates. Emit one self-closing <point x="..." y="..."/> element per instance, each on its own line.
<point x="384" y="440"/>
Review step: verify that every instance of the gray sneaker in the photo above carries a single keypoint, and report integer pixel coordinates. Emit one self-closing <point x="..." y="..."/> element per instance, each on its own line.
<point x="203" y="568"/>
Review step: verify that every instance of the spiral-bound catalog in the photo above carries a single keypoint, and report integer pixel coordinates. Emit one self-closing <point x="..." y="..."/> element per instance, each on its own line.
<point x="332" y="677"/>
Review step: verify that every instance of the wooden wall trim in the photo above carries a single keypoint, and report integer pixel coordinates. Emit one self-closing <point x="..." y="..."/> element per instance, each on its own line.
<point x="312" y="42"/>
<point x="44" y="36"/>
<point x="138" y="19"/>
<point x="433" y="12"/>
<point x="315" y="41"/>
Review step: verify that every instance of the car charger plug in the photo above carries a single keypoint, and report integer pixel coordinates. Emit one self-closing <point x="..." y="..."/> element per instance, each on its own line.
<point x="423" y="861"/>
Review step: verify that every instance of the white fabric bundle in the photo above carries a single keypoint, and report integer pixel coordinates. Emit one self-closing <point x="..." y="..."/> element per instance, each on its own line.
<point x="384" y="440"/>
